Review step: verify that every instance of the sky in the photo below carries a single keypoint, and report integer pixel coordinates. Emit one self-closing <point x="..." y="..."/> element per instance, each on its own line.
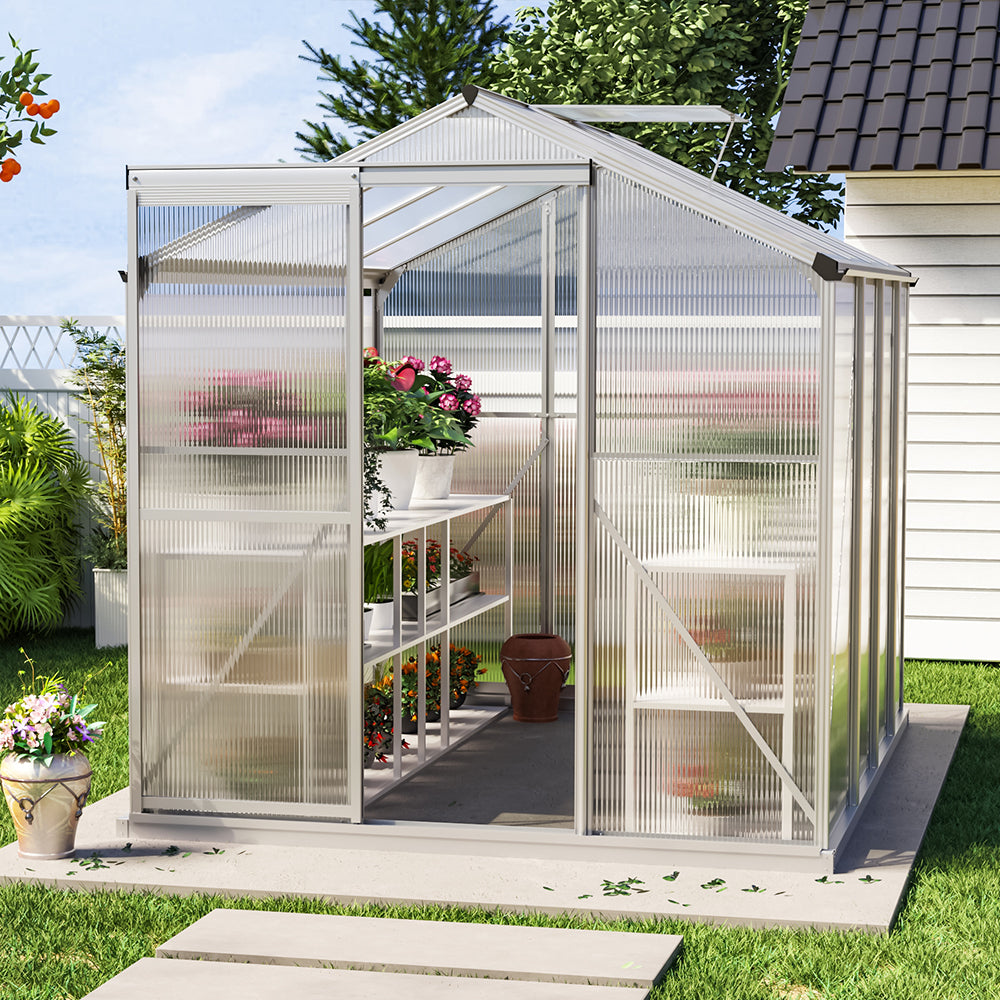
<point x="144" y="84"/>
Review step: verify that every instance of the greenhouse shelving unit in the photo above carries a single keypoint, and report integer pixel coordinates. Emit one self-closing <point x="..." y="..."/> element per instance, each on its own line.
<point x="455" y="726"/>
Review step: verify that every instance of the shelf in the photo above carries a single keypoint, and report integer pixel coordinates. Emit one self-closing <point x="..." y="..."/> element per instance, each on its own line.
<point x="680" y="701"/>
<point x="381" y="645"/>
<point x="423" y="513"/>
<point x="462" y="723"/>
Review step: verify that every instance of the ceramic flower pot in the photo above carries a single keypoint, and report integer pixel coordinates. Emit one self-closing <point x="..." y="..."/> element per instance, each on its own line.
<point x="434" y="475"/>
<point x="535" y="667"/>
<point x="398" y="470"/>
<point x="46" y="802"/>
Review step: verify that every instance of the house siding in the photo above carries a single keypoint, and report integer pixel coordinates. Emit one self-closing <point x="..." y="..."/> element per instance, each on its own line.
<point x="946" y="230"/>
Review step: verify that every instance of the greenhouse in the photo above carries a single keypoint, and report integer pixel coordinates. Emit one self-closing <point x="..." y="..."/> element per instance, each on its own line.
<point x="686" y="462"/>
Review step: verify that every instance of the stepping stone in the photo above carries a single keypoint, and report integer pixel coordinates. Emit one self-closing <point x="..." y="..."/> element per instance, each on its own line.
<point x="159" y="979"/>
<point x="542" y="954"/>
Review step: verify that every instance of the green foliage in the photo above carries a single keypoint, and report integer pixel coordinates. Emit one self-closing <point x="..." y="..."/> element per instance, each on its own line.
<point x="21" y="76"/>
<point x="100" y="375"/>
<point x="43" y="484"/>
<point x="425" y="52"/>
<point x="735" y="53"/>
<point x="378" y="572"/>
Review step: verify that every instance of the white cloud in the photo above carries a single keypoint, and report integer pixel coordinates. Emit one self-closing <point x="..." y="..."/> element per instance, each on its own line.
<point x="218" y="107"/>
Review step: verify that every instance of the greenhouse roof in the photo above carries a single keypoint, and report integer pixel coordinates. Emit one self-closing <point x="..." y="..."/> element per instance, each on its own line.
<point x="485" y="130"/>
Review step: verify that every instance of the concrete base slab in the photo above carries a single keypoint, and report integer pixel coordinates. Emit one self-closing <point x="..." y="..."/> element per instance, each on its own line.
<point x="865" y="893"/>
<point x="194" y="980"/>
<point x="496" y="951"/>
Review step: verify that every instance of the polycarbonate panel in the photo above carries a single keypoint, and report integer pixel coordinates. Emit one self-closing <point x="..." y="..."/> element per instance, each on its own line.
<point x="882" y="604"/>
<point x="842" y="512"/>
<point x="244" y="673"/>
<point x="706" y="452"/>
<point x="242" y="479"/>
<point x="865" y="373"/>
<point x="471" y="136"/>
<point x="478" y="302"/>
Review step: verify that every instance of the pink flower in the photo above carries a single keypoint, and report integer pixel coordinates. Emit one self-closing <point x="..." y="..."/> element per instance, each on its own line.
<point x="472" y="406"/>
<point x="440" y="365"/>
<point x="449" y="401"/>
<point x="415" y="363"/>
<point x="463" y="383"/>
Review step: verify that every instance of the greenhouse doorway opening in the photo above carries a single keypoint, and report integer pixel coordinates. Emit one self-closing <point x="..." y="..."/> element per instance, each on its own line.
<point x="497" y="304"/>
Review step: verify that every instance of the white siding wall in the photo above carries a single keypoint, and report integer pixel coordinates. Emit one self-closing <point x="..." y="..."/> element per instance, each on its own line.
<point x="946" y="229"/>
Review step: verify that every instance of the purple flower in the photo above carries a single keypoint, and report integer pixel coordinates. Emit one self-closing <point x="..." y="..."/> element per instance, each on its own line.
<point x="472" y="406"/>
<point x="442" y="366"/>
<point x="449" y="401"/>
<point x="463" y="383"/>
<point x="415" y="363"/>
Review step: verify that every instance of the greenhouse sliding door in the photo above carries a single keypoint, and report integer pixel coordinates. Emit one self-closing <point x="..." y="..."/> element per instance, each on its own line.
<point x="244" y="491"/>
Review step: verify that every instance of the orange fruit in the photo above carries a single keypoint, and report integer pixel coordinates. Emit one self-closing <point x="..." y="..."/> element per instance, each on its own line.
<point x="54" y="105"/>
<point x="26" y="99"/>
<point x="45" y="111"/>
<point x="33" y="109"/>
<point x="15" y="167"/>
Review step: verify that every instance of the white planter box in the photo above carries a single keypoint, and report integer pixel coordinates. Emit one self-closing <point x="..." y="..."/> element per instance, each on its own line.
<point x="460" y="590"/>
<point x="110" y="607"/>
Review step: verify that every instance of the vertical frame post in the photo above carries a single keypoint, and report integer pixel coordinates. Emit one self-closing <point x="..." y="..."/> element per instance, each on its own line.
<point x="586" y="327"/>
<point x="353" y="352"/>
<point x="132" y="506"/>
<point x="547" y="490"/>
<point x="824" y="561"/>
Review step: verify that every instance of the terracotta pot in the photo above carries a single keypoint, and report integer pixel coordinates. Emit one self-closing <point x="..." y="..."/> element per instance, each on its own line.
<point x="46" y="802"/>
<point x="535" y="667"/>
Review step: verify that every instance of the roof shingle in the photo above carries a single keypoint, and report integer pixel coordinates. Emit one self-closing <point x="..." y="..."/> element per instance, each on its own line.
<point x="883" y="84"/>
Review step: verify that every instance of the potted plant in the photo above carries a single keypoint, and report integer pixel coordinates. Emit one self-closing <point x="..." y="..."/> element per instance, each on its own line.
<point x="393" y="430"/>
<point x="463" y="670"/>
<point x="378" y="724"/>
<point x="464" y="582"/>
<point x="378" y="584"/>
<point x="100" y="377"/>
<point x="45" y="775"/>
<point x="454" y="412"/>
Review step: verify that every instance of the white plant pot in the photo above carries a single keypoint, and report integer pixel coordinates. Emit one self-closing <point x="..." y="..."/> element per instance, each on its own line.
<point x="434" y="475"/>
<point x="381" y="618"/>
<point x="110" y="607"/>
<point x="369" y="614"/>
<point x="398" y="470"/>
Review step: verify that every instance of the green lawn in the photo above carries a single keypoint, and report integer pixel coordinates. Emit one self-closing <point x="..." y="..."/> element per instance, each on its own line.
<point x="64" y="944"/>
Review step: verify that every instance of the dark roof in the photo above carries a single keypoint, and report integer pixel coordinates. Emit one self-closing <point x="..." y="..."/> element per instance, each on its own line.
<point x="893" y="85"/>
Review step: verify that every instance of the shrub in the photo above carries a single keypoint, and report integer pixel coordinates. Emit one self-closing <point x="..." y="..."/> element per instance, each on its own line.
<point x="43" y="483"/>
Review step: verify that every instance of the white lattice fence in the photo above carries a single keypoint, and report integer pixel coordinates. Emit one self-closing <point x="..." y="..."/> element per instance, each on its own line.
<point x="35" y="357"/>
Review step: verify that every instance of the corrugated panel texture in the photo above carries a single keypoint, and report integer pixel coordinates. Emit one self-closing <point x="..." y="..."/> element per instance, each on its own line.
<point x="471" y="135"/>
<point x="705" y="468"/>
<point x="952" y="511"/>
<point x="893" y="84"/>
<point x="241" y="480"/>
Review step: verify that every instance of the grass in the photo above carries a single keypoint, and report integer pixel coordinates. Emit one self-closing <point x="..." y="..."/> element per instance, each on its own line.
<point x="65" y="944"/>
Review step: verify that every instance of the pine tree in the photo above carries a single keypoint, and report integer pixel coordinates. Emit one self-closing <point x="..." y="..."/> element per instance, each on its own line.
<point x="424" y="52"/>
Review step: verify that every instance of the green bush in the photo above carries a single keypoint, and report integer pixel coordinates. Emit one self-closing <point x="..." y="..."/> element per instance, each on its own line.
<point x="43" y="484"/>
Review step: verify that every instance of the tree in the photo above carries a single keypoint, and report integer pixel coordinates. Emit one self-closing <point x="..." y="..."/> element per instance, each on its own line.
<point x="425" y="53"/>
<point x="734" y="53"/>
<point x="20" y="90"/>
